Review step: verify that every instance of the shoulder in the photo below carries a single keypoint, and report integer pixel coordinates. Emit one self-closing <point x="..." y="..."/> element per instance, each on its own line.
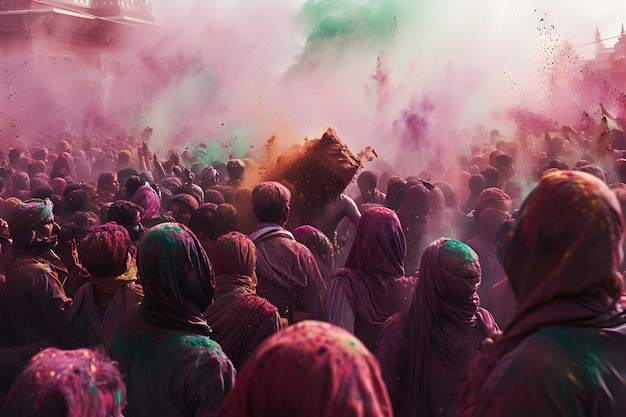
<point x="562" y="371"/>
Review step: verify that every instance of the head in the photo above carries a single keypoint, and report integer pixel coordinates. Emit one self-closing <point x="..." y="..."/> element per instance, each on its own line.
<point x="270" y="202"/>
<point x="567" y="241"/>
<point x="310" y="369"/>
<point x="450" y="273"/>
<point x="183" y="206"/>
<point x="236" y="169"/>
<point x="133" y="183"/>
<point x="176" y="274"/>
<point x="235" y="254"/>
<point x="395" y="192"/>
<point x="127" y="215"/>
<point x="379" y="243"/>
<point x="108" y="181"/>
<point x="32" y="224"/>
<point x="319" y="245"/>
<point x="68" y="383"/>
<point x="208" y="177"/>
<point x="105" y="251"/>
<point x="367" y="182"/>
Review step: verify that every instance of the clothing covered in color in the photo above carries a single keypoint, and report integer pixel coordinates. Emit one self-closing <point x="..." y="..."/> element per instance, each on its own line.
<point x="172" y="366"/>
<point x="287" y="273"/>
<point x="425" y="353"/>
<point x="239" y="318"/>
<point x="372" y="286"/>
<point x="310" y="369"/>
<point x="562" y="353"/>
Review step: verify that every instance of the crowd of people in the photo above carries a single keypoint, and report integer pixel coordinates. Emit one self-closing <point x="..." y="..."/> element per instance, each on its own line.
<point x="135" y="286"/>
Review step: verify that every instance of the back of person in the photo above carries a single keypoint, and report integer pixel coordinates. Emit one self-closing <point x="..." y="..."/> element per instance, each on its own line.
<point x="171" y="365"/>
<point x="562" y="352"/>
<point x="239" y="318"/>
<point x="286" y="269"/>
<point x="310" y="369"/>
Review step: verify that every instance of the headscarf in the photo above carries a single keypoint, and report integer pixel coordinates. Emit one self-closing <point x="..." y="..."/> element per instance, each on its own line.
<point x="25" y="217"/>
<point x="208" y="177"/>
<point x="177" y="279"/>
<point x="442" y="318"/>
<point x="562" y="259"/>
<point x="375" y="262"/>
<point x="320" y="246"/>
<point x="104" y="254"/>
<point x="63" y="167"/>
<point x="395" y="192"/>
<point x="309" y="369"/>
<point x="67" y="383"/>
<point x="149" y="200"/>
<point x="238" y="316"/>
<point x="493" y="197"/>
<point x="186" y="200"/>
<point x="235" y="254"/>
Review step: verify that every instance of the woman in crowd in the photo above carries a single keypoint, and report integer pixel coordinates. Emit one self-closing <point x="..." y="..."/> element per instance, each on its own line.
<point x="310" y="369"/>
<point x="172" y="366"/>
<point x="321" y="248"/>
<point x="425" y="353"/>
<point x="563" y="352"/>
<point x="239" y="318"/>
<point x="372" y="286"/>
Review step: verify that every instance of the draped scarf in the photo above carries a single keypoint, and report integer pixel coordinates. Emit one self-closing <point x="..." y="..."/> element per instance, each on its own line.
<point x="562" y="259"/>
<point x="177" y="279"/>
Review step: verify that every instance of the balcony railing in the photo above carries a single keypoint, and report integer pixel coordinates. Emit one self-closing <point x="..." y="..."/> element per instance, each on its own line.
<point x="135" y="8"/>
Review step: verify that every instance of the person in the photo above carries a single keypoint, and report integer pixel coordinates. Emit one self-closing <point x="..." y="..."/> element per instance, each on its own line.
<point x="413" y="214"/>
<point x="67" y="383"/>
<point x="111" y="294"/>
<point x="476" y="185"/>
<point x="484" y="245"/>
<point x="288" y="274"/>
<point x="425" y="353"/>
<point x="239" y="318"/>
<point x="500" y="301"/>
<point x="367" y="182"/>
<point x="33" y="304"/>
<point x="63" y="167"/>
<point x="310" y="369"/>
<point x="172" y="366"/>
<point x="330" y="221"/>
<point x="148" y="199"/>
<point x="183" y="206"/>
<point x="320" y="247"/>
<point x="562" y="354"/>
<point x="372" y="286"/>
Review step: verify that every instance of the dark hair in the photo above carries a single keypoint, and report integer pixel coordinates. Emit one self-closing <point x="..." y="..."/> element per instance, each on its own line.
<point x="368" y="178"/>
<point x="269" y="200"/>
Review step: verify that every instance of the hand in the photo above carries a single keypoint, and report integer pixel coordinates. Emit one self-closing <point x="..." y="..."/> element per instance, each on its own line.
<point x="175" y="158"/>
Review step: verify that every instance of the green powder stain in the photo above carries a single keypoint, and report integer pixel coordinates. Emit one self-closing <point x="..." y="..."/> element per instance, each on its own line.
<point x="462" y="249"/>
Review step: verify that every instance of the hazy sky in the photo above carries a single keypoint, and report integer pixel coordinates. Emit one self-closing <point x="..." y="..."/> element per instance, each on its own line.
<point x="575" y="20"/>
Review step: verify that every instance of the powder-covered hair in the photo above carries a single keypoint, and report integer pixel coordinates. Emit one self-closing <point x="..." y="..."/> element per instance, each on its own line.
<point x="67" y="383"/>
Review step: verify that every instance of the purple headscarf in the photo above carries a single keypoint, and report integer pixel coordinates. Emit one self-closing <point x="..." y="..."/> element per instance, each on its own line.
<point x="149" y="200"/>
<point x="310" y="369"/>
<point x="373" y="278"/>
<point x="443" y="328"/>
